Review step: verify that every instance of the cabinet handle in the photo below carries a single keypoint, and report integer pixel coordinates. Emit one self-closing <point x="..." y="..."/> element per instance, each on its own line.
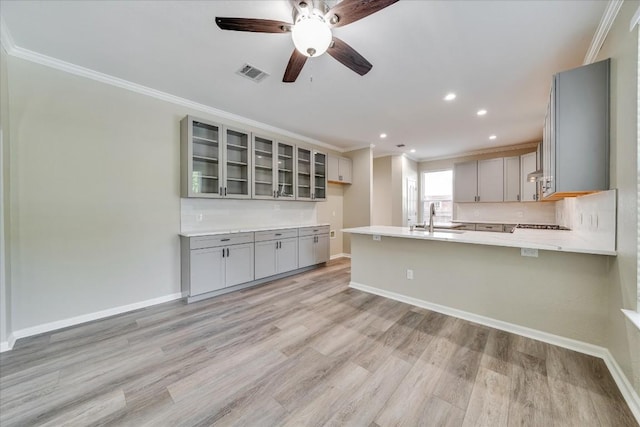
<point x="222" y="252"/>
<point x="276" y="245"/>
<point x="225" y="191"/>
<point x="340" y="178"/>
<point x="224" y="240"/>
<point x="220" y="192"/>
<point x="280" y="245"/>
<point x="274" y="193"/>
<point x="278" y="234"/>
<point x="227" y="252"/>
<point x="518" y="198"/>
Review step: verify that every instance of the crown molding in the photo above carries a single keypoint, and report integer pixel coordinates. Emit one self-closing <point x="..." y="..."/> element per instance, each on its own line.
<point x="609" y="15"/>
<point x="48" y="61"/>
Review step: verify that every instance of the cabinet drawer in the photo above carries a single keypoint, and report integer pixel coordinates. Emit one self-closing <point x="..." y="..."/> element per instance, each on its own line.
<point x="311" y="231"/>
<point x="467" y="227"/>
<point x="220" y="240"/>
<point x="489" y="227"/>
<point x="262" y="236"/>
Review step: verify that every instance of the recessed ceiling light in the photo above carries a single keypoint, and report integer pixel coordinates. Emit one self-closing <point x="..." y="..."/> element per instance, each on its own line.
<point x="383" y="135"/>
<point x="492" y="137"/>
<point x="450" y="96"/>
<point x="481" y="112"/>
<point x="413" y="150"/>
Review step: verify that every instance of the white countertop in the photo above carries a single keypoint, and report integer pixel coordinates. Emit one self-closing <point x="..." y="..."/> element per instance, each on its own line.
<point x="550" y="240"/>
<point x="245" y="230"/>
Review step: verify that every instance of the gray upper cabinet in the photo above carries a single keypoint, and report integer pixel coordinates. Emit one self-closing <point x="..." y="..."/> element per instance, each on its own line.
<point x="273" y="169"/>
<point x="340" y="170"/>
<point x="201" y="158"/>
<point x="528" y="190"/>
<point x="319" y="176"/>
<point x="311" y="177"/>
<point x="264" y="173"/>
<point x="465" y="182"/>
<point x="491" y="180"/>
<point x="215" y="160"/>
<point x="237" y="172"/>
<point x="479" y="181"/>
<point x="512" y="179"/>
<point x="576" y="134"/>
<point x="285" y="171"/>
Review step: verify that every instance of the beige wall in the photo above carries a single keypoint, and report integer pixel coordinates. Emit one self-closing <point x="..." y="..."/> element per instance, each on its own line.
<point x="381" y="211"/>
<point x="97" y="200"/>
<point x="5" y="238"/>
<point x="396" y="190"/>
<point x="357" y="196"/>
<point x="409" y="171"/>
<point x="621" y="45"/>
<point x="331" y="212"/>
<point x="559" y="293"/>
<point x="390" y="175"/>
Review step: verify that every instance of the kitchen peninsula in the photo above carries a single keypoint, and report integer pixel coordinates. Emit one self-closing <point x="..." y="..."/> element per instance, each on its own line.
<point x="558" y="289"/>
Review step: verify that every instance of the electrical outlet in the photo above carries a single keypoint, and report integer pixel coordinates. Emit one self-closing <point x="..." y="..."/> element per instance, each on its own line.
<point x="529" y="252"/>
<point x="377" y="238"/>
<point x="332" y="234"/>
<point x="409" y="274"/>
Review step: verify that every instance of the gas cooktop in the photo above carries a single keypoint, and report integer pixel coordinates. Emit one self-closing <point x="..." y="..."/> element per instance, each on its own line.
<point x="542" y="227"/>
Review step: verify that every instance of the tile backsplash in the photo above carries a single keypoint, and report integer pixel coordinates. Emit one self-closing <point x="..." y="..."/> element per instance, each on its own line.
<point x="507" y="213"/>
<point x="211" y="215"/>
<point x="592" y="216"/>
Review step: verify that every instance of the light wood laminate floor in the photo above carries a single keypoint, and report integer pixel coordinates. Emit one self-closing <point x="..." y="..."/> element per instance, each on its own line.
<point x="301" y="351"/>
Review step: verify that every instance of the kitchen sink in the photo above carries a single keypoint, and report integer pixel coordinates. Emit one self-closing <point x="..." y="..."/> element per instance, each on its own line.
<point x="438" y="230"/>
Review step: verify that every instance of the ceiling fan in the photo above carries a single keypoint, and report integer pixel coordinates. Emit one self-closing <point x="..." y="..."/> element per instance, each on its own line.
<point x="311" y="31"/>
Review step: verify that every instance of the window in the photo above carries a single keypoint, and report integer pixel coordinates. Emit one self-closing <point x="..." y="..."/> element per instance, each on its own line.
<point x="437" y="188"/>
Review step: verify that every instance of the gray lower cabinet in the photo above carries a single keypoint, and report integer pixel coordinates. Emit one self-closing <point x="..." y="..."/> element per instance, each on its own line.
<point x="313" y="246"/>
<point x="276" y="252"/>
<point x="212" y="263"/>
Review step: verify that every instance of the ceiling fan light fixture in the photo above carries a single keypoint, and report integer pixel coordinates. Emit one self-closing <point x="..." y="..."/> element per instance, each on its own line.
<point x="311" y="35"/>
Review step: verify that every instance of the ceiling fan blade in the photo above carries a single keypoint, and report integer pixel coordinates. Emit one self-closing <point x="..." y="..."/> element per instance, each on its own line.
<point x="253" y="25"/>
<point x="348" y="11"/>
<point x="296" y="62"/>
<point x="349" y="57"/>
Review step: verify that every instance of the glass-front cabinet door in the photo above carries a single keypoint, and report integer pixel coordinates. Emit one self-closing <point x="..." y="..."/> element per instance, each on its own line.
<point x="201" y="158"/>
<point x="285" y="167"/>
<point x="319" y="176"/>
<point x="303" y="177"/>
<point x="263" y="170"/>
<point x="237" y="164"/>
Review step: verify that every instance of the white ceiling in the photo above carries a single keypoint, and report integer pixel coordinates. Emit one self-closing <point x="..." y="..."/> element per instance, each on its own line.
<point x="498" y="55"/>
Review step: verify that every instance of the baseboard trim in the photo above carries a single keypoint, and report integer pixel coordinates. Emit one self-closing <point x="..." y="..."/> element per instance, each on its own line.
<point x="627" y="390"/>
<point x="72" y="321"/>
<point x="8" y="344"/>
<point x="342" y="255"/>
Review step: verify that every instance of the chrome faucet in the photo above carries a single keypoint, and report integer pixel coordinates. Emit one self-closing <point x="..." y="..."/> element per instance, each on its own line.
<point x="432" y="213"/>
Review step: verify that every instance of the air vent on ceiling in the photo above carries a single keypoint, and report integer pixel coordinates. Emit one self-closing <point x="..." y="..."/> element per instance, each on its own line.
<point x="252" y="73"/>
<point x="400" y="145"/>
